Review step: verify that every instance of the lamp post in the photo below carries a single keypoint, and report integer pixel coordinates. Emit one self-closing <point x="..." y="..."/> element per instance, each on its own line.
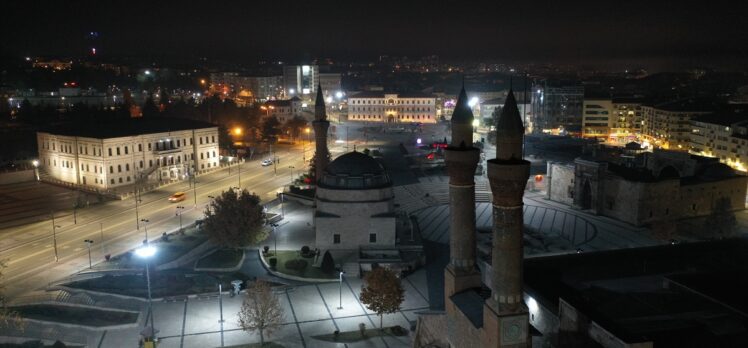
<point x="145" y="226"/>
<point x="54" y="236"/>
<point x="230" y="159"/>
<point x="275" y="239"/>
<point x="239" y="167"/>
<point x="180" y="210"/>
<point x="340" y="305"/>
<point x="88" y="244"/>
<point x="35" y="163"/>
<point x="307" y="131"/>
<point x="146" y="252"/>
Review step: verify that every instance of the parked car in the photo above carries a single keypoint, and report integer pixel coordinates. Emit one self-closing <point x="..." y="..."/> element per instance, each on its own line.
<point x="177" y="197"/>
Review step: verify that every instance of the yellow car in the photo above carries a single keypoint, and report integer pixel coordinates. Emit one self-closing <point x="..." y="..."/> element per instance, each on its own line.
<point x="177" y="197"/>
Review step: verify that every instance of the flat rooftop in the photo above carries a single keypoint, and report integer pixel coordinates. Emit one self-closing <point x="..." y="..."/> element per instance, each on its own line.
<point x="115" y="128"/>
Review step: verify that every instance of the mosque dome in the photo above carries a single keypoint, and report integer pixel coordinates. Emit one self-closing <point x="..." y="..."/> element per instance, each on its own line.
<point x="354" y="170"/>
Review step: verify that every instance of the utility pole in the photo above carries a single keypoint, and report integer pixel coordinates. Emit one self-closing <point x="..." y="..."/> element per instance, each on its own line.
<point x="145" y="226"/>
<point x="137" y="218"/>
<point x="101" y="230"/>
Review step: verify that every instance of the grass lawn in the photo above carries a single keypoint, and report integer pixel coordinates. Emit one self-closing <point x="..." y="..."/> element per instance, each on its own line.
<point x="76" y="315"/>
<point x="307" y="272"/>
<point x="257" y="345"/>
<point x="163" y="283"/>
<point x="221" y="258"/>
<point x="355" y="336"/>
<point x="169" y="250"/>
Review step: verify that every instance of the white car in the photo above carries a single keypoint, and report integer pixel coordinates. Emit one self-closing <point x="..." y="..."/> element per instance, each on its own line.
<point x="267" y="162"/>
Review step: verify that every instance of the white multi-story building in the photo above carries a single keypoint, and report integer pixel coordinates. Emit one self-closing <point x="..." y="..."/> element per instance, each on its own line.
<point x="284" y="110"/>
<point x="117" y="153"/>
<point x="392" y="107"/>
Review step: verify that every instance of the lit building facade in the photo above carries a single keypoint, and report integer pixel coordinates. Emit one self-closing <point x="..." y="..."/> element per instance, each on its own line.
<point x="723" y="135"/>
<point x="597" y="115"/>
<point x="668" y="125"/>
<point x="300" y="80"/>
<point x="248" y="89"/>
<point x="284" y="110"/>
<point x="392" y="107"/>
<point x="330" y="83"/>
<point x="625" y="123"/>
<point x="557" y="109"/>
<point x="119" y="153"/>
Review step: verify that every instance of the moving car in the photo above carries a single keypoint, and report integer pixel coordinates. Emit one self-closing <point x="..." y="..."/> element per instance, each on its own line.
<point x="177" y="197"/>
<point x="267" y="162"/>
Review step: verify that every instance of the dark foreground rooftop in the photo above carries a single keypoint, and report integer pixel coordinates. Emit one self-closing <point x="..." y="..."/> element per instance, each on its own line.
<point x="687" y="295"/>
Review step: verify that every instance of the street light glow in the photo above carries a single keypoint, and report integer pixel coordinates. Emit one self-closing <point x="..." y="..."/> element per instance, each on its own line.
<point x="35" y="163"/>
<point x="238" y="131"/>
<point x="473" y="101"/>
<point x="145" y="251"/>
<point x="338" y="94"/>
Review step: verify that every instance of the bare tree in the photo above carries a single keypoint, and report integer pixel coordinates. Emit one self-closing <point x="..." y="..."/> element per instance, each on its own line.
<point x="383" y="292"/>
<point x="261" y="310"/>
<point x="7" y="317"/>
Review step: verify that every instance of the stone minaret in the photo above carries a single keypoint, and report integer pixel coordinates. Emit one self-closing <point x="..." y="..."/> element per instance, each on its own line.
<point x="320" y="124"/>
<point x="462" y="159"/>
<point x="505" y="315"/>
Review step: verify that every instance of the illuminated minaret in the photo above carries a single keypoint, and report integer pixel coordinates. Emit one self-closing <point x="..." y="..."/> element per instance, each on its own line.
<point x="505" y="316"/>
<point x="320" y="124"/>
<point x="461" y="159"/>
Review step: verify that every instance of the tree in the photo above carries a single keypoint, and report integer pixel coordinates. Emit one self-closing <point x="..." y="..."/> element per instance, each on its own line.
<point x="295" y="126"/>
<point x="7" y="316"/>
<point x="261" y="311"/>
<point x="234" y="220"/>
<point x="149" y="108"/>
<point x="270" y="128"/>
<point x="383" y="292"/>
<point x="328" y="265"/>
<point x="313" y="166"/>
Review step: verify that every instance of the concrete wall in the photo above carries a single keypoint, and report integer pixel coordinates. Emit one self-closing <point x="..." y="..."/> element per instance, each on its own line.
<point x="17" y="176"/>
<point x="354" y="231"/>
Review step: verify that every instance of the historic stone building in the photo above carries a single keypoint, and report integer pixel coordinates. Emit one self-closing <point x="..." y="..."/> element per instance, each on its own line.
<point x="483" y="309"/>
<point x="652" y="187"/>
<point x="392" y="107"/>
<point x="117" y="153"/>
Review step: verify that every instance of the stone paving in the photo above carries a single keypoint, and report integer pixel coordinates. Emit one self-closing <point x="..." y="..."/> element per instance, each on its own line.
<point x="310" y="310"/>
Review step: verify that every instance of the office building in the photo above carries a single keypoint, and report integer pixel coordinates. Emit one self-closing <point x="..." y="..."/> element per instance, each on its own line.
<point x="557" y="108"/>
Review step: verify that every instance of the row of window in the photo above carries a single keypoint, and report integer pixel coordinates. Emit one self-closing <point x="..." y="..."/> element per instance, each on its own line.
<point x="379" y="117"/>
<point x="160" y="146"/>
<point x="390" y="101"/>
<point x="398" y="109"/>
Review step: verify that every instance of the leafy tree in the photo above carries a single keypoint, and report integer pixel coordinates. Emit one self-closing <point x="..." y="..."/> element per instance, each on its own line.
<point x="328" y="265"/>
<point x="7" y="317"/>
<point x="233" y="220"/>
<point x="149" y="108"/>
<point x="270" y="128"/>
<point x="313" y="166"/>
<point x="383" y="292"/>
<point x="261" y="311"/>
<point x="295" y="126"/>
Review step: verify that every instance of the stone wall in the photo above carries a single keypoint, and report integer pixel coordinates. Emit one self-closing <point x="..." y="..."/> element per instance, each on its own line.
<point x="562" y="183"/>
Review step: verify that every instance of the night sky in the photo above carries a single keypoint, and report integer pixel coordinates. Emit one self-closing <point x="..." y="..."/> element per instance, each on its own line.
<point x="587" y="32"/>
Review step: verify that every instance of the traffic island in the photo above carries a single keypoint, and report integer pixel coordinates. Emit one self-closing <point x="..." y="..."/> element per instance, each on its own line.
<point x="221" y="260"/>
<point x="77" y="315"/>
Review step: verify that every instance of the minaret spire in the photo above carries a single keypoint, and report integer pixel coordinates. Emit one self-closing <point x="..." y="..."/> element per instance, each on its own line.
<point x="320" y="124"/>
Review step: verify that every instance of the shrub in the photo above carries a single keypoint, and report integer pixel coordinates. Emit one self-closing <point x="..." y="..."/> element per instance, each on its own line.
<point x="328" y="265"/>
<point x="265" y="249"/>
<point x="398" y="330"/>
<point x="273" y="262"/>
<point x="362" y="329"/>
<point x="296" y="265"/>
<point x="304" y="250"/>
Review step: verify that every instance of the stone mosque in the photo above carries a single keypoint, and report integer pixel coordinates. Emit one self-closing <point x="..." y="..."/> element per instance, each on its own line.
<point x="354" y="213"/>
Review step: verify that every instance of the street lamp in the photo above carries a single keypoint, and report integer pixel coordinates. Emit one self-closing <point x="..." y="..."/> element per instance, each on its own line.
<point x="146" y="252"/>
<point x="340" y="305"/>
<point x="230" y="159"/>
<point x="88" y="244"/>
<point x="35" y="163"/>
<point x="180" y="210"/>
<point x="275" y="239"/>
<point x="307" y="131"/>
<point x="145" y="226"/>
